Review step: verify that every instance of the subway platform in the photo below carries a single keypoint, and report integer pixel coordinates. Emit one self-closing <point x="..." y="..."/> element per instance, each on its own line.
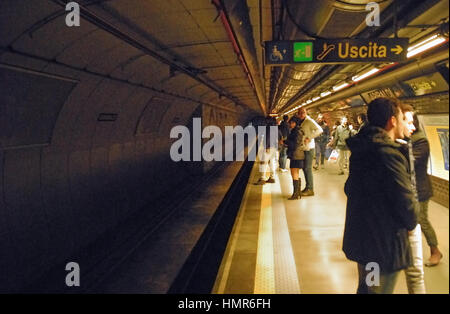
<point x="280" y="246"/>
<point x="272" y="246"/>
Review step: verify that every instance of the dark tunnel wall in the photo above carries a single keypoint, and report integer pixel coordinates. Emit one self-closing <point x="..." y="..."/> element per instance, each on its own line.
<point x="59" y="196"/>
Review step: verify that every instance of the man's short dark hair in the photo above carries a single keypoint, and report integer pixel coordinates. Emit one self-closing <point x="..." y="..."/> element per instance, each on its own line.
<point x="363" y="117"/>
<point x="295" y="119"/>
<point x="285" y="117"/>
<point x="382" y="109"/>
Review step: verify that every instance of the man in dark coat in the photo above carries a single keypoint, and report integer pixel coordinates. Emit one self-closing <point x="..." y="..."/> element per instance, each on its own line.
<point x="283" y="132"/>
<point x="381" y="207"/>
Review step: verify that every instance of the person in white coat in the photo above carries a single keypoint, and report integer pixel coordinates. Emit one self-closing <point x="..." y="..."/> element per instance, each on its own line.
<point x="311" y="130"/>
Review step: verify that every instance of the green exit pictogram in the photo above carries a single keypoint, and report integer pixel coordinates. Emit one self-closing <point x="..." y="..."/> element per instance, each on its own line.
<point x="303" y="52"/>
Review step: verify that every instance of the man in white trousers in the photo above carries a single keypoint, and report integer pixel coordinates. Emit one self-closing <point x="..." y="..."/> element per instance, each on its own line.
<point x="268" y="149"/>
<point x="414" y="274"/>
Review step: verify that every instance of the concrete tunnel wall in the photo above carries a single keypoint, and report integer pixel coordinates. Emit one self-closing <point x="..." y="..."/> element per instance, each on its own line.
<point x="59" y="195"/>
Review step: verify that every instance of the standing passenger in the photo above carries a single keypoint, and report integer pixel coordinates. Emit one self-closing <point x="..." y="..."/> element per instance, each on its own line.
<point x="381" y="207"/>
<point x="321" y="142"/>
<point x="332" y="143"/>
<point x="296" y="154"/>
<point x="421" y="150"/>
<point x="341" y="135"/>
<point x="311" y="130"/>
<point x="283" y="131"/>
<point x="362" y="121"/>
<point x="270" y="146"/>
<point x="414" y="274"/>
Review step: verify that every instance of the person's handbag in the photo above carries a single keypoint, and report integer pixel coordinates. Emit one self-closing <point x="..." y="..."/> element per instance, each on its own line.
<point x="333" y="156"/>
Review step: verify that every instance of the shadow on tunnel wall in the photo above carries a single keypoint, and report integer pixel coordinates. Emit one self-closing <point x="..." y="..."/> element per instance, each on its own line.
<point x="68" y="176"/>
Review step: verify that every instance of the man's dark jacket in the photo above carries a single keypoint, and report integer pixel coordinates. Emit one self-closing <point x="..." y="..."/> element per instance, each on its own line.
<point x="324" y="137"/>
<point x="381" y="204"/>
<point x="296" y="148"/>
<point x="421" y="149"/>
<point x="283" y="130"/>
<point x="271" y="140"/>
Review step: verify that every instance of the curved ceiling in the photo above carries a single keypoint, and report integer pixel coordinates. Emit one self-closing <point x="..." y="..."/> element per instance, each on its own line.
<point x="194" y="55"/>
<point x="89" y="109"/>
<point x="182" y="47"/>
<point x="342" y="19"/>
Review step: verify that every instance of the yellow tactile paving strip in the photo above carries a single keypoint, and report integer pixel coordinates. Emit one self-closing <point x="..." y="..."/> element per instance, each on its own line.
<point x="286" y="277"/>
<point x="261" y="237"/>
<point x="265" y="266"/>
<point x="281" y="246"/>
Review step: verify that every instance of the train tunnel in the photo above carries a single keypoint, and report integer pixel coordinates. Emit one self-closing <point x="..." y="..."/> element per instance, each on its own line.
<point x="93" y="91"/>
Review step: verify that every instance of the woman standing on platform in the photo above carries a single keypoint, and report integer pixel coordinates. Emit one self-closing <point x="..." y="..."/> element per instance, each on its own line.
<point x="296" y="154"/>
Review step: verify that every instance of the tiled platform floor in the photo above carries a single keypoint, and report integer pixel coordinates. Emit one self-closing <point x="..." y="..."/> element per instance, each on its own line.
<point x="282" y="246"/>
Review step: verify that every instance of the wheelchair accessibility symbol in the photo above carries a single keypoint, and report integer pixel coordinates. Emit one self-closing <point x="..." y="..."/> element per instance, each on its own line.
<point x="277" y="55"/>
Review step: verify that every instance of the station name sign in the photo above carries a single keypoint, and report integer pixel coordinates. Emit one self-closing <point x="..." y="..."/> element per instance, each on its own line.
<point x="337" y="51"/>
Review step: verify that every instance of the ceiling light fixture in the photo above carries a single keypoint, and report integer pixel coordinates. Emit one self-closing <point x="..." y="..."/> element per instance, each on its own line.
<point x="361" y="77"/>
<point x="339" y="87"/>
<point x="325" y="94"/>
<point x="426" y="44"/>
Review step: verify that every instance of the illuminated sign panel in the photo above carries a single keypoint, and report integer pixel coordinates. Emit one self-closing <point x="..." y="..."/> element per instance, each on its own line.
<point x="427" y="84"/>
<point x="303" y="51"/>
<point x="337" y="51"/>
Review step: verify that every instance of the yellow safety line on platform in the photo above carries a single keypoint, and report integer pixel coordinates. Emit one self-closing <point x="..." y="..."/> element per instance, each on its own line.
<point x="265" y="271"/>
<point x="286" y="276"/>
